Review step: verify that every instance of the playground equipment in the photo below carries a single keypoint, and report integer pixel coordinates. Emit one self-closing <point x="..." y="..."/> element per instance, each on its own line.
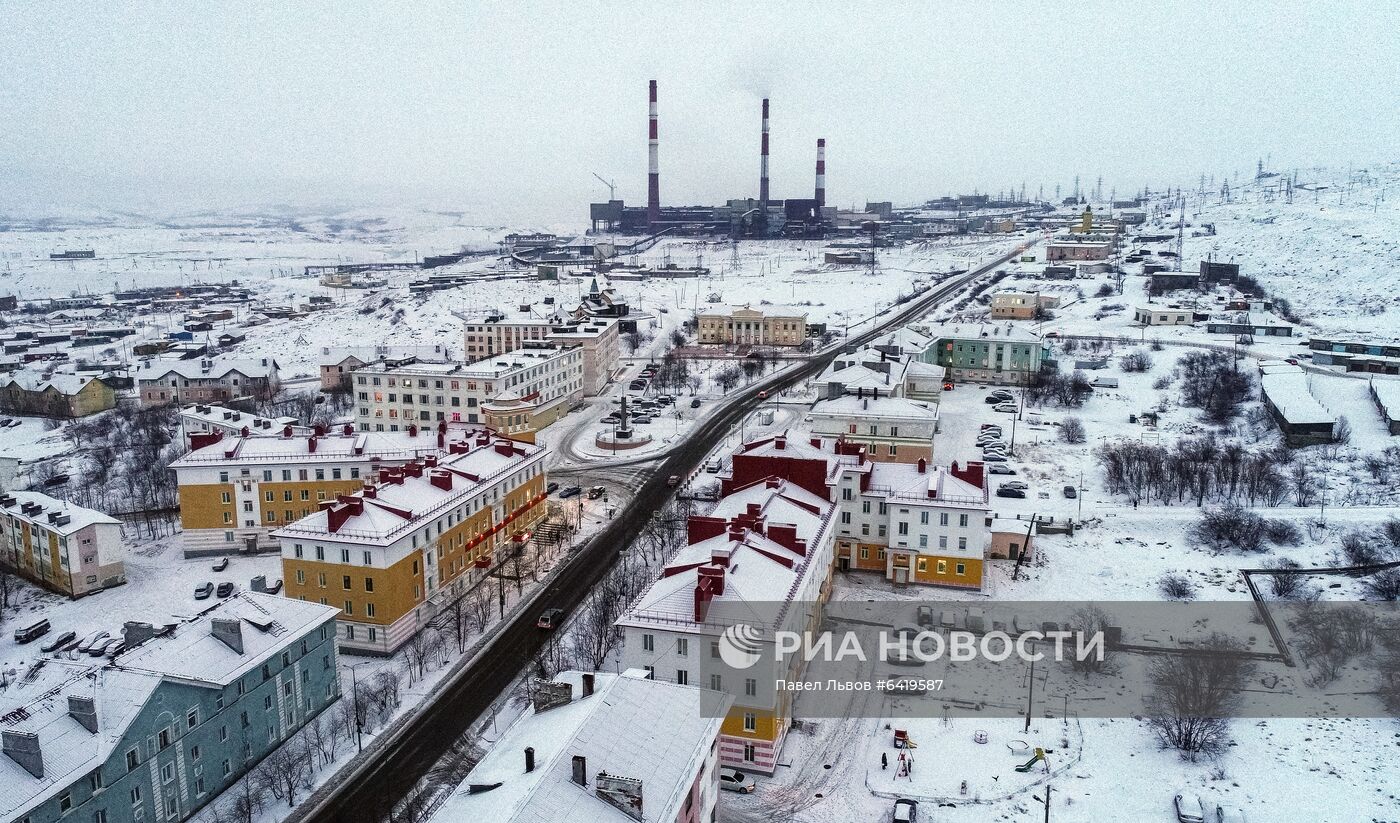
<point x="902" y="741"/>
<point x="979" y="736"/>
<point x="1039" y="756"/>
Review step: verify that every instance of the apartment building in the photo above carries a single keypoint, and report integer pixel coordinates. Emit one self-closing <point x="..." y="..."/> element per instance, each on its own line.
<point x="201" y="425"/>
<point x="234" y="490"/>
<point x="998" y="353"/>
<point x="394" y="553"/>
<point x="205" y="381"/>
<point x="601" y="748"/>
<point x="599" y="338"/>
<point x="517" y="393"/>
<point x="64" y="548"/>
<point x="746" y="326"/>
<point x="1079" y="247"/>
<point x="173" y="720"/>
<point x="881" y="370"/>
<point x="338" y="363"/>
<point x="762" y="558"/>
<point x="912" y="523"/>
<point x="892" y="429"/>
<point x="59" y="395"/>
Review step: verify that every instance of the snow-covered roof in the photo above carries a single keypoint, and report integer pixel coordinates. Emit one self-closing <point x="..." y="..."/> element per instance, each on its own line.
<point x="336" y="355"/>
<point x="401" y="502"/>
<point x="492" y="368"/>
<point x="233" y="419"/>
<point x="883" y="407"/>
<point x="77" y="517"/>
<point x="1289" y="393"/>
<point x="334" y="447"/>
<point x="990" y="332"/>
<point x="66" y="384"/>
<point x="202" y="369"/>
<point x="1387" y="394"/>
<point x="39" y="704"/>
<point x="903" y="482"/>
<point x="657" y="732"/>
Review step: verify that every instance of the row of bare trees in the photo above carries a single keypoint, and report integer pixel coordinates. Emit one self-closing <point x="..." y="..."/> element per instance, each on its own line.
<point x="1204" y="469"/>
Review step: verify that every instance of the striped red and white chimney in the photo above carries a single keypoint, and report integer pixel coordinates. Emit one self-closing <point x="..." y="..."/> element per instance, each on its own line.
<point x="821" y="172"/>
<point x="653" y="168"/>
<point x="763" y="160"/>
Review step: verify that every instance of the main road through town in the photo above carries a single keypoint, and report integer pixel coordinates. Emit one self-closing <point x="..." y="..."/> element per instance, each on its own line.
<point x="368" y="788"/>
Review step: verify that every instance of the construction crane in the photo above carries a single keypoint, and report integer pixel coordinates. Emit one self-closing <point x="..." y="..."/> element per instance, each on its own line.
<point x="612" y="187"/>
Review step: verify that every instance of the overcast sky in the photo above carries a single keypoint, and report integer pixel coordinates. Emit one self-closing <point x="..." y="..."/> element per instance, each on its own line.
<point x="508" y="108"/>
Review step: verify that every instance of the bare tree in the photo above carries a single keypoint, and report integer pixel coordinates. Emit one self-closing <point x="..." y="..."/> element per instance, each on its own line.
<point x="1193" y="694"/>
<point x="286" y="770"/>
<point x="246" y="800"/>
<point x="1090" y="620"/>
<point x="324" y="736"/>
<point x="1072" y="430"/>
<point x="479" y="608"/>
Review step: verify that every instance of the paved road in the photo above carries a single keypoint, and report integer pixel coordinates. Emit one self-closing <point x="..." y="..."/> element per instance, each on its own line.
<point x="370" y="788"/>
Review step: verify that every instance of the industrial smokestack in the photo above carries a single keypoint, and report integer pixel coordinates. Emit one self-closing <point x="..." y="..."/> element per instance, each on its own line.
<point x="763" y="162"/>
<point x="821" y="172"/>
<point x="653" y="169"/>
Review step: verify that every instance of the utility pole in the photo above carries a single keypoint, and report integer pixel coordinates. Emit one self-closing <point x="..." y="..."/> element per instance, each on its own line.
<point x="1030" y="693"/>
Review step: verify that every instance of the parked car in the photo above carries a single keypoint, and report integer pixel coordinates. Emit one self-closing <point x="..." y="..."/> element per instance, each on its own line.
<point x="695" y="403"/>
<point x="641" y="418"/>
<point x="220" y="564"/>
<point x="905" y="811"/>
<point x="713" y="467"/>
<point x="925" y="616"/>
<point x="13" y="423"/>
<point x="4" y="421"/>
<point x="202" y="592"/>
<point x="58" y="642"/>
<point x="225" y="589"/>
<point x="666" y="400"/>
<point x="1189" y="809"/>
<point x="1070" y="492"/>
<point x="1015" y="484"/>
<point x="596" y="492"/>
<point x="989" y="426"/>
<point x="673" y="480"/>
<point x="33" y="631"/>
<point x="115" y="648"/>
<point x="551" y="488"/>
<point x="1019" y="494"/>
<point x="572" y="491"/>
<point x="990" y="437"/>
<point x="994" y="458"/>
<point x="1000" y="469"/>
<point x="611" y="420"/>
<point x="1005" y="408"/>
<point x="101" y="648"/>
<point x="550" y="619"/>
<point x="733" y="780"/>
<point x="1229" y="814"/>
<point x="992" y="398"/>
<point x="92" y="640"/>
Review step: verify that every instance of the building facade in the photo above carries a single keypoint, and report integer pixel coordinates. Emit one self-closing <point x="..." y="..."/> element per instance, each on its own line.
<point x="64" y="548"/>
<point x="61" y="395"/>
<point x="599" y="339"/>
<point x="745" y="326"/>
<point x="1001" y="353"/>
<point x="170" y="722"/>
<point x="1162" y="316"/>
<point x="1015" y="305"/>
<point x="234" y="490"/>
<point x="1079" y="247"/>
<point x="892" y="429"/>
<point x="394" y="553"/>
<point x="527" y="389"/>
<point x="188" y="382"/>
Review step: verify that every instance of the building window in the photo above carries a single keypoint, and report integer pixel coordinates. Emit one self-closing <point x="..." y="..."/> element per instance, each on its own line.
<point x="682" y="677"/>
<point x="132" y="760"/>
<point x="715" y="682"/>
<point x="943" y="567"/>
<point x="960" y="569"/>
<point x="750" y="722"/>
<point x="648" y="643"/>
<point x="750" y="753"/>
<point x="682" y="646"/>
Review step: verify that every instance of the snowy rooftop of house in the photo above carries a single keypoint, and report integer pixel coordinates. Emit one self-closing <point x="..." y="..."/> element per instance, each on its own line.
<point x="984" y="331"/>
<point x="334" y="447"/>
<point x="1288" y="391"/>
<point x="759" y="566"/>
<point x="233" y="419"/>
<point x="865" y="369"/>
<point x="906" y="339"/>
<point x="933" y="486"/>
<point x="205" y="369"/>
<point x="1387" y="393"/>
<point x="66" y="384"/>
<point x="39" y="702"/>
<point x="51" y="511"/>
<point x="398" y="501"/>
<point x="883" y="406"/>
<point x="631" y="726"/>
<point x="765" y="309"/>
<point x="798" y="445"/>
<point x="335" y="355"/>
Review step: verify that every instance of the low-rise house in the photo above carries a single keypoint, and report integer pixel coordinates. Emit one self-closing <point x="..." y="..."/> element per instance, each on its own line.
<point x="174" y="719"/>
<point x="1257" y="322"/>
<point x="1377" y="357"/>
<point x="1213" y="272"/>
<point x="1302" y="419"/>
<point x="748" y="326"/>
<point x="601" y="748"/>
<point x="205" y="381"/>
<point x="1016" y="305"/>
<point x="1079" y="247"/>
<point x="65" y="548"/>
<point x="395" y="553"/>
<point x="1151" y="315"/>
<point x="1010" y="539"/>
<point x="59" y="395"/>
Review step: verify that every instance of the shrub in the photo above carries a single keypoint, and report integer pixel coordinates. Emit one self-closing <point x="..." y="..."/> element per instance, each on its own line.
<point x="1384" y="585"/>
<point x="1285" y="586"/>
<point x="1177" y="587"/>
<point x="1361" y="549"/>
<point x="1231" y="526"/>
<point x="1283" y="532"/>
<point x="1136" y="361"/>
<point x="1072" y="430"/>
<point x="1106" y="290"/>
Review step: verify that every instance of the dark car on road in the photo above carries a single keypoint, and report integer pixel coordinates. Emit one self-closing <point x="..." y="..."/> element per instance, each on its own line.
<point x="551" y="488"/>
<point x="1019" y="494"/>
<point x="572" y="491"/>
<point x="550" y="618"/>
